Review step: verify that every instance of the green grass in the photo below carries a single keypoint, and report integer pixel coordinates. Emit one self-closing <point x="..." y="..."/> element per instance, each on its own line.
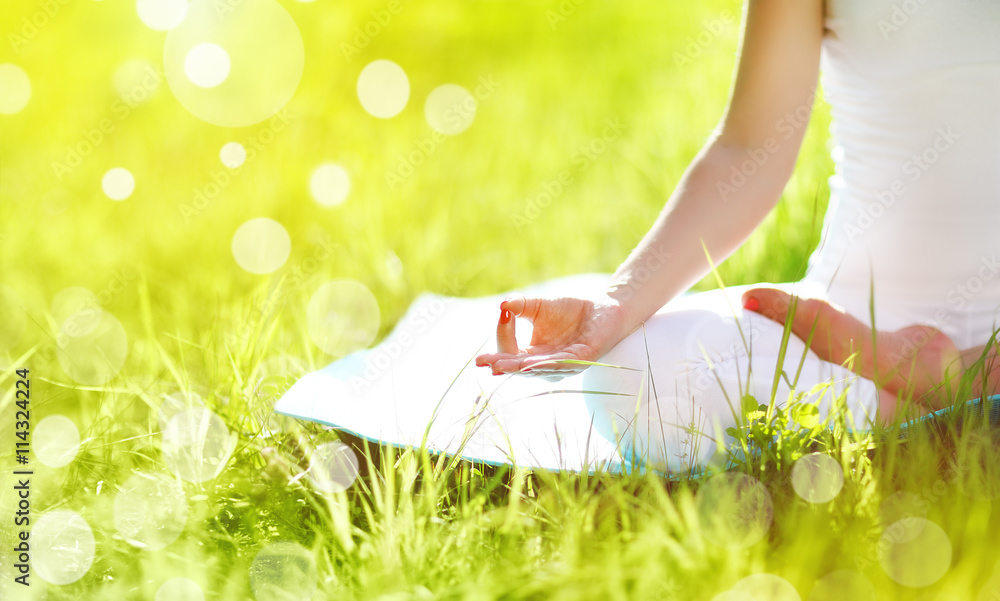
<point x="195" y="321"/>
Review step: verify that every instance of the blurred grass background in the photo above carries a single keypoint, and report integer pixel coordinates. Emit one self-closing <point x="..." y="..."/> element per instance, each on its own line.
<point x="198" y="322"/>
<point x="644" y="65"/>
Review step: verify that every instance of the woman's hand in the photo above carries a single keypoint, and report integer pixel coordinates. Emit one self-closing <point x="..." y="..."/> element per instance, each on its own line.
<point x="564" y="328"/>
<point x="916" y="362"/>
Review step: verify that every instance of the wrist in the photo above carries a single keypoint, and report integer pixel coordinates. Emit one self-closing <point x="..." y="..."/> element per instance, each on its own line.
<point x="617" y="305"/>
<point x="622" y="296"/>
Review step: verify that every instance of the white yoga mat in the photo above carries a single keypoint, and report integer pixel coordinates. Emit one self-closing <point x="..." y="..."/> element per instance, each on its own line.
<point x="422" y="380"/>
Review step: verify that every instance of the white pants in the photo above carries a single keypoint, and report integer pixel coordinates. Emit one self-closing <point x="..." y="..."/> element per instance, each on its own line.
<point x="689" y="367"/>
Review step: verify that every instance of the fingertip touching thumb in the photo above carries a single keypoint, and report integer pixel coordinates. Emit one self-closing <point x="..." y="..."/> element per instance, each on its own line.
<point x="513" y="303"/>
<point x="506" y="339"/>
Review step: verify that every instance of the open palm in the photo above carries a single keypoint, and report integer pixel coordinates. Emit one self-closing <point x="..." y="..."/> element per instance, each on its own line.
<point x="564" y="329"/>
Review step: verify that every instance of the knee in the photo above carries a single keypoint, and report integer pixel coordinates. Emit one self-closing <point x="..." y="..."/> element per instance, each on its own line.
<point x="657" y="397"/>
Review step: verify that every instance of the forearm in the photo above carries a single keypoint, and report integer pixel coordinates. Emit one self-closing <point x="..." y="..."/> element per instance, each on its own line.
<point x="715" y="204"/>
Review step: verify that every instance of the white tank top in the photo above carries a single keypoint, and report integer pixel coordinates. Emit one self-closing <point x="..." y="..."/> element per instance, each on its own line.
<point x="914" y="91"/>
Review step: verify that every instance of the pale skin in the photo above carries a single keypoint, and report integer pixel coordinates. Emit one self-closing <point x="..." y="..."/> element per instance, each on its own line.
<point x="776" y="76"/>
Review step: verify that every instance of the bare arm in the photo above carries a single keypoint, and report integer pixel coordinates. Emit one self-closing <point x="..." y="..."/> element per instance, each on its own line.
<point x="739" y="175"/>
<point x="760" y="133"/>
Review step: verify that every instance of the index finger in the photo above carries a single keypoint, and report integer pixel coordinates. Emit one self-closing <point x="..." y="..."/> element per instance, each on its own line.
<point x="522" y="306"/>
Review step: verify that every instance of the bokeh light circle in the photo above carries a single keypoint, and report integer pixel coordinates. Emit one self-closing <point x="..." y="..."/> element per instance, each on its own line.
<point x="81" y="304"/>
<point x="283" y="572"/>
<point x="233" y="155"/>
<point x="915" y="560"/>
<point x="450" y="109"/>
<point x="907" y="511"/>
<point x="333" y="467"/>
<point x="261" y="245"/>
<point x="55" y="440"/>
<point x="264" y="51"/>
<point x="15" y="89"/>
<point x="196" y="444"/>
<point x="767" y="587"/>
<point x="207" y="65"/>
<point x="735" y="510"/>
<point x="176" y="402"/>
<point x="161" y="15"/>
<point x="817" y="477"/>
<point x="15" y="320"/>
<point x="150" y="511"/>
<point x="383" y="89"/>
<point x="843" y="584"/>
<point x="62" y="547"/>
<point x="179" y="589"/>
<point x="342" y="316"/>
<point x="330" y="184"/>
<point x="97" y="356"/>
<point x="118" y="183"/>
<point x="81" y="323"/>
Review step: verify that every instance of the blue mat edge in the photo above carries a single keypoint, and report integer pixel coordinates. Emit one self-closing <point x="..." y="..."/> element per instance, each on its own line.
<point x="903" y="429"/>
